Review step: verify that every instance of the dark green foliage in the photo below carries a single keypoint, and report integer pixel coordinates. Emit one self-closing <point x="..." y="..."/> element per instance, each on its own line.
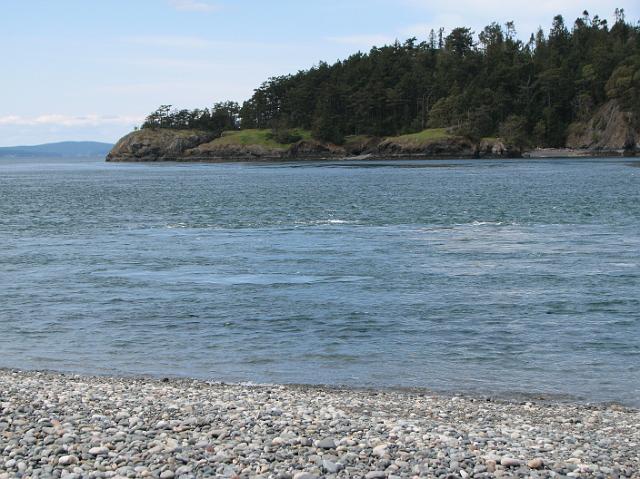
<point x="514" y="131"/>
<point x="222" y="116"/>
<point x="476" y="85"/>
<point x="624" y="84"/>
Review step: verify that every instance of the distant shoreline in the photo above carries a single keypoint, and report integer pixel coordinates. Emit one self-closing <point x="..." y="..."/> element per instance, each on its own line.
<point x="550" y="153"/>
<point x="63" y="149"/>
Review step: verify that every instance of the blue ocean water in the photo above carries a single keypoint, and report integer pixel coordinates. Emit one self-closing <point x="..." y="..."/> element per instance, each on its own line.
<point x="498" y="277"/>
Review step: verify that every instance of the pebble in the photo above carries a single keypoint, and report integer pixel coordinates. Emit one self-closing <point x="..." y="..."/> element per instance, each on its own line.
<point x="331" y="467"/>
<point x="99" y="451"/>
<point x="326" y="444"/>
<point x="536" y="463"/>
<point x="380" y="450"/>
<point x="67" y="460"/>
<point x="510" y="462"/>
<point x="183" y="470"/>
<point x="304" y="475"/>
<point x="55" y="426"/>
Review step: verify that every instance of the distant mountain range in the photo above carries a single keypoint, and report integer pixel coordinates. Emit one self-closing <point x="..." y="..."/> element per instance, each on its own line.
<point x="60" y="149"/>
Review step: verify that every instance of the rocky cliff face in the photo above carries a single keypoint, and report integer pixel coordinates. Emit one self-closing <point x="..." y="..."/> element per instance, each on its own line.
<point x="315" y="149"/>
<point x="449" y="147"/>
<point x="496" y="148"/>
<point x="610" y="129"/>
<point x="193" y="145"/>
<point x="440" y="148"/>
<point x="212" y="151"/>
<point x="157" y="145"/>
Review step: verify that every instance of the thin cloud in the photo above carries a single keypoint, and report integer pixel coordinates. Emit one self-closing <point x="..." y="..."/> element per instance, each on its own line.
<point x="68" y="121"/>
<point x="194" y="6"/>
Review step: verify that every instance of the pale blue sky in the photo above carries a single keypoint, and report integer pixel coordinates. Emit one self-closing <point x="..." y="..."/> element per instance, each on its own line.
<point x="92" y="69"/>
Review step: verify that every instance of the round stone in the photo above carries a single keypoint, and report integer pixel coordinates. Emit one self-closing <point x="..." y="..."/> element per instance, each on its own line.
<point x="327" y="443"/>
<point x="67" y="460"/>
<point x="536" y="463"/>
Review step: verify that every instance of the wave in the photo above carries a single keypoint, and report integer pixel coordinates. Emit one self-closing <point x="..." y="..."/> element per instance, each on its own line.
<point x="194" y="226"/>
<point x="329" y="221"/>
<point x="489" y="223"/>
<point x="275" y="224"/>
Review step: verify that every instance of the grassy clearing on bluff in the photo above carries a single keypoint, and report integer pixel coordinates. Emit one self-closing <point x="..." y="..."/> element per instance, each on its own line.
<point x="260" y="137"/>
<point x="423" y="137"/>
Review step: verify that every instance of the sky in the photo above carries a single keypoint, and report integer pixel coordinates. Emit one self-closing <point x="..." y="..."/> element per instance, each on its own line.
<point x="93" y="69"/>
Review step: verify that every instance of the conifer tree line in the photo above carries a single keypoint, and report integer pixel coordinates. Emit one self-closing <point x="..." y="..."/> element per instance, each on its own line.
<point x="489" y="84"/>
<point x="222" y="116"/>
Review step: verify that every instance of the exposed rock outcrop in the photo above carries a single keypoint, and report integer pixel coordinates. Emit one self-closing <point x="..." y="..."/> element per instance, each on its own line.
<point x="449" y="147"/>
<point x="212" y="151"/>
<point x="610" y="129"/>
<point x="315" y="149"/>
<point x="361" y="145"/>
<point x="496" y="148"/>
<point x="304" y="149"/>
<point x="192" y="145"/>
<point x="157" y="144"/>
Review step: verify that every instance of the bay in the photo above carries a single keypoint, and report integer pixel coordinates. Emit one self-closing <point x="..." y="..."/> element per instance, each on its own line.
<point x="482" y="276"/>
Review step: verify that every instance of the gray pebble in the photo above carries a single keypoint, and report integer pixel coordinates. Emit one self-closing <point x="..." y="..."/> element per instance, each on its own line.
<point x="55" y="426"/>
<point x="327" y="443"/>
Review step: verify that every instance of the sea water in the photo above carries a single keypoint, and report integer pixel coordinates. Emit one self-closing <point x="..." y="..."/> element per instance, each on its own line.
<point x="496" y="277"/>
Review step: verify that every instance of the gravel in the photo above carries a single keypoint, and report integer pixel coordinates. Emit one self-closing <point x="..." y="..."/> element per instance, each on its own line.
<point x="54" y="425"/>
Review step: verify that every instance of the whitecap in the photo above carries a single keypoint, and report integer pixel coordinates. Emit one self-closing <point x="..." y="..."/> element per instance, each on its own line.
<point x="330" y="221"/>
<point x="486" y="223"/>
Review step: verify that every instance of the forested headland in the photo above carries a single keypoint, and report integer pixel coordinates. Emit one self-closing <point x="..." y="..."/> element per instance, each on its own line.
<point x="535" y="93"/>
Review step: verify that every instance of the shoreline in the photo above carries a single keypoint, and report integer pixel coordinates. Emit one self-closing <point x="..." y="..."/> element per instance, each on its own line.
<point x="540" y="154"/>
<point x="577" y="153"/>
<point x="54" y="424"/>
<point x="192" y="145"/>
<point x="506" y="397"/>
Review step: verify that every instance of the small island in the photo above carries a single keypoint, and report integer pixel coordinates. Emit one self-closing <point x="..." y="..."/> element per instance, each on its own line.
<point x="573" y="92"/>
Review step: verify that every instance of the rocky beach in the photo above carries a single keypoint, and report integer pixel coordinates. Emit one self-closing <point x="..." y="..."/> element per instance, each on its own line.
<point x="60" y="425"/>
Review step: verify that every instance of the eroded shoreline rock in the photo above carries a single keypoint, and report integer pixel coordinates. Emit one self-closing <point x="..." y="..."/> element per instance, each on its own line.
<point x="610" y="129"/>
<point x="157" y="145"/>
